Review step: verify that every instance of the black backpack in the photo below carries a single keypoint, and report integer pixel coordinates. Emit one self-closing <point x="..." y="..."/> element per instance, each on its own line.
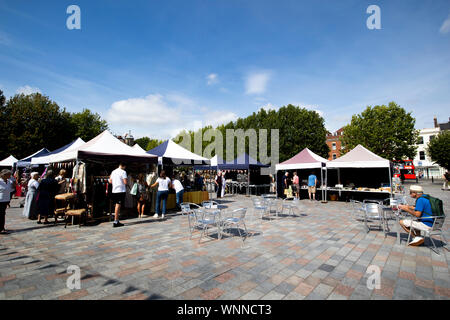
<point x="437" y="206"/>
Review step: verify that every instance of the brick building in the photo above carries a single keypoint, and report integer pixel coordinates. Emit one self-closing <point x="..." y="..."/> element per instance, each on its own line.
<point x="334" y="144"/>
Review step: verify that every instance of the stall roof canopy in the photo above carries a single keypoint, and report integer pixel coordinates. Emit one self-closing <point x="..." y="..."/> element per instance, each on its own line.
<point x="104" y="147"/>
<point x="242" y="162"/>
<point x="138" y="147"/>
<point x="8" y="162"/>
<point x="305" y="159"/>
<point x="46" y="158"/>
<point x="27" y="161"/>
<point x="179" y="155"/>
<point x="215" y="161"/>
<point x="359" y="157"/>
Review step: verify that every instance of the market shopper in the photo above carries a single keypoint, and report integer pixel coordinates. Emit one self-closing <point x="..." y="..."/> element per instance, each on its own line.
<point x="119" y="181"/>
<point x="30" y="207"/>
<point x="6" y="186"/>
<point x="47" y="191"/>
<point x="163" y="183"/>
<point x="179" y="191"/>
<point x="421" y="210"/>
<point x="218" y="181"/>
<point x="296" y="185"/>
<point x="142" y="194"/>
<point x="446" y="180"/>
<point x="62" y="183"/>
<point x="224" y="184"/>
<point x="312" y="183"/>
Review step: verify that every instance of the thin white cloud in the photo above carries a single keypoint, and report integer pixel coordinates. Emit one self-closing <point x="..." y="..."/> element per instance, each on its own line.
<point x="212" y="78"/>
<point x="163" y="117"/>
<point x="27" y="90"/>
<point x="216" y="118"/>
<point x="445" y="28"/>
<point x="151" y="110"/>
<point x="256" y="82"/>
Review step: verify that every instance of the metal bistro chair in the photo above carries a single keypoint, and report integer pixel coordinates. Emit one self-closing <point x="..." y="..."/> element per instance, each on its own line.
<point x="210" y="204"/>
<point x="191" y="210"/>
<point x="210" y="218"/>
<point x="260" y="205"/>
<point x="374" y="212"/>
<point x="289" y="203"/>
<point x="358" y="210"/>
<point x="236" y="219"/>
<point x="436" y="229"/>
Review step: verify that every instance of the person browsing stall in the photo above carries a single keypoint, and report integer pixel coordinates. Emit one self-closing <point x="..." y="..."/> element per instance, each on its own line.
<point x="163" y="184"/>
<point x="179" y="191"/>
<point x="6" y="186"/>
<point x="312" y="182"/>
<point x="119" y="182"/>
<point x="421" y="210"/>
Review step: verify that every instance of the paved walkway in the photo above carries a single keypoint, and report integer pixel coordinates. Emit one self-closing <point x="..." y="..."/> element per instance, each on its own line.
<point x="321" y="254"/>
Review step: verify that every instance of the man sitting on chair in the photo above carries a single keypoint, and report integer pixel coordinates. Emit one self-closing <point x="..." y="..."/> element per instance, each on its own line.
<point x="421" y="209"/>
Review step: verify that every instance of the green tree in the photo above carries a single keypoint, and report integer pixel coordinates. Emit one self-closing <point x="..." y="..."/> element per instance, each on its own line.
<point x="299" y="128"/>
<point x="153" y="143"/>
<point x="87" y="125"/>
<point x="2" y="99"/>
<point x="387" y="131"/>
<point x="143" y="142"/>
<point x="439" y="149"/>
<point x="32" y="122"/>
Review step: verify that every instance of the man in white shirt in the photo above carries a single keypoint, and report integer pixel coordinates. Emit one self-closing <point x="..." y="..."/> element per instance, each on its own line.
<point x="179" y="191"/>
<point x="119" y="181"/>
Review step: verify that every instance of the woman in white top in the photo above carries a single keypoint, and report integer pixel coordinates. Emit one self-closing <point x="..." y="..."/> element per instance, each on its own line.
<point x="6" y="187"/>
<point x="179" y="191"/>
<point x="30" y="208"/>
<point x="163" y="184"/>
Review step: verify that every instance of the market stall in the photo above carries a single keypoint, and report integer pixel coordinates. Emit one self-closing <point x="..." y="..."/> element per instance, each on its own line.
<point x="93" y="162"/>
<point x="26" y="162"/>
<point x="8" y="163"/>
<point x="45" y="159"/>
<point x="172" y="156"/>
<point x="365" y="175"/>
<point x="245" y="172"/>
<point x="304" y="163"/>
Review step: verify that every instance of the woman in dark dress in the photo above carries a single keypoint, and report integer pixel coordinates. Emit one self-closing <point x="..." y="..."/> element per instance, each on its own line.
<point x="48" y="188"/>
<point x="219" y="182"/>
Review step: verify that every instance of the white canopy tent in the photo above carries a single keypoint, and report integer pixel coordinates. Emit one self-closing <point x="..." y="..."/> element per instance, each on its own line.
<point x="102" y="146"/>
<point x="305" y="159"/>
<point x="138" y="147"/>
<point x="360" y="157"/>
<point x="8" y="162"/>
<point x="47" y="158"/>
<point x="178" y="154"/>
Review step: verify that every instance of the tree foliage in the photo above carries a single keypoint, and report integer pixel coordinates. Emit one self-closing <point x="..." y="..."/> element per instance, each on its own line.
<point x="147" y="143"/>
<point x="31" y="122"/>
<point x="87" y="125"/>
<point x="2" y="99"/>
<point x="387" y="131"/>
<point x="299" y="128"/>
<point x="439" y="149"/>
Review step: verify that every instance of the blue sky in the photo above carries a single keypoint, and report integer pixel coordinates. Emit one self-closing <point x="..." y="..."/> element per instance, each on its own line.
<point x="156" y="67"/>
